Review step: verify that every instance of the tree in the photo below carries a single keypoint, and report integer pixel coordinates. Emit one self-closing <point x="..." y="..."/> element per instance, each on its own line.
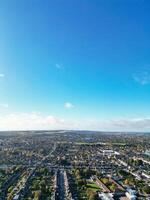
<point x="105" y="180"/>
<point x="113" y="187"/>
<point x="93" y="196"/>
<point x="37" y="195"/>
<point x="126" y="182"/>
<point x="146" y="189"/>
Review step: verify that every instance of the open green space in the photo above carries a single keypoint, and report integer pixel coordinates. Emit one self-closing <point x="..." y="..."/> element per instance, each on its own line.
<point x="92" y="186"/>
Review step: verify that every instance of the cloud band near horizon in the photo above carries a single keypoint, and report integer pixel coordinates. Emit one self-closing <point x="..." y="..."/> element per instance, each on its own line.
<point x="36" y="121"/>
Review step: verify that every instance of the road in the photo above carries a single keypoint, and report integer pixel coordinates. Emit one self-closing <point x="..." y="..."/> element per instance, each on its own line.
<point x="60" y="191"/>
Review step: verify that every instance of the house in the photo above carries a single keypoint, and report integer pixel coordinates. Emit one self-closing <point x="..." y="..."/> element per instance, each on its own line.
<point x="106" y="196"/>
<point x="131" y="194"/>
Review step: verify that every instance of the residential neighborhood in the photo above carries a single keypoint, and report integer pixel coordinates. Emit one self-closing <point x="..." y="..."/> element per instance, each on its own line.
<point x="74" y="165"/>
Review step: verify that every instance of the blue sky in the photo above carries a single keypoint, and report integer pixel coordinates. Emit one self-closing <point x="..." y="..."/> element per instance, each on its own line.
<point x="77" y="64"/>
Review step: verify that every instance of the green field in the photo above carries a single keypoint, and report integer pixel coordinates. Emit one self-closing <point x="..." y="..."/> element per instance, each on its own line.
<point x="92" y="186"/>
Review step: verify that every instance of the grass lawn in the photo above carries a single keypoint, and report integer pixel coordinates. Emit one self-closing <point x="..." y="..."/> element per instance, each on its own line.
<point x="92" y="186"/>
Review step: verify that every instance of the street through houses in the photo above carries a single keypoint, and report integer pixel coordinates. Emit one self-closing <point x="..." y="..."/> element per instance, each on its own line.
<point x="60" y="190"/>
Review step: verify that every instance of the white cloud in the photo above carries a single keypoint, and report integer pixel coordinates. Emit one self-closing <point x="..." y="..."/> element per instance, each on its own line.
<point x="68" y="105"/>
<point x="133" y="124"/>
<point x="36" y="121"/>
<point x="2" y="75"/>
<point x="3" y="105"/>
<point x="27" y="121"/>
<point x="142" y="78"/>
<point x="59" y="66"/>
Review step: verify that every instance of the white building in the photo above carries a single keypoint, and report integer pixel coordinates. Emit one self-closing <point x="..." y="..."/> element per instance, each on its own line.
<point x="16" y="197"/>
<point x="106" y="196"/>
<point x="131" y="194"/>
